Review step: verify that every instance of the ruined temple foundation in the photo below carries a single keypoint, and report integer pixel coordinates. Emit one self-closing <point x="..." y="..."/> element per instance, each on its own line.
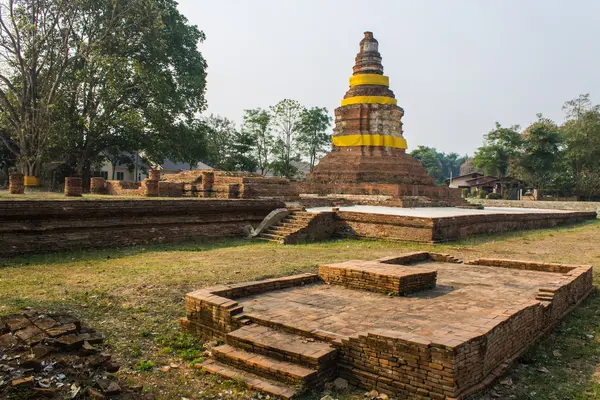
<point x="369" y="150"/>
<point x="417" y="325"/>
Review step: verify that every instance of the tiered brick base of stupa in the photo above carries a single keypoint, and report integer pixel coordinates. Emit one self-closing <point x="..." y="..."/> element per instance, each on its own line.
<point x="369" y="155"/>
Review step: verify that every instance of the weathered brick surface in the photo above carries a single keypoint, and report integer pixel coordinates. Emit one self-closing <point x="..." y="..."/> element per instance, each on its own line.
<point x="43" y="226"/>
<point x="451" y="197"/>
<point x="378" y="277"/>
<point x="417" y="229"/>
<point x="16" y="183"/>
<point x="123" y="188"/>
<point x="446" y="343"/>
<point x="552" y="205"/>
<point x="452" y="228"/>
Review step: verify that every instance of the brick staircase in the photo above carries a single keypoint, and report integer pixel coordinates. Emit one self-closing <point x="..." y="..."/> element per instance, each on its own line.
<point x="269" y="360"/>
<point x="287" y="226"/>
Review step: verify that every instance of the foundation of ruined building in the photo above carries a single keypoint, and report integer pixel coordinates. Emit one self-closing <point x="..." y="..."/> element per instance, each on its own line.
<point x="149" y="188"/>
<point x="73" y="187"/>
<point x="154" y="174"/>
<point x="122" y="222"/>
<point x="16" y="183"/>
<point x="414" y="325"/>
<point x="97" y="185"/>
<point x="369" y="149"/>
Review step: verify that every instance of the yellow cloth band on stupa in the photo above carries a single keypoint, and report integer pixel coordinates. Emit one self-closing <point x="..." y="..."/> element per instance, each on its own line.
<point x="369" y="100"/>
<point x="370" y="140"/>
<point x="369" y="79"/>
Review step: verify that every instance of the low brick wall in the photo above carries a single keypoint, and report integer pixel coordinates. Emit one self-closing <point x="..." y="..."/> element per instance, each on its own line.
<point x="378" y="277"/>
<point x="453" y="228"/>
<point x="123" y="188"/>
<point x="387" y="227"/>
<point x="213" y="312"/>
<point x="45" y="226"/>
<point x="548" y="205"/>
<point x="417" y="229"/>
<point x="451" y="196"/>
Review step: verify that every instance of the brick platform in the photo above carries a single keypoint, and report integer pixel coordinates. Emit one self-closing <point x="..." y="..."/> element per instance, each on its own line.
<point x="35" y="226"/>
<point x="377" y="277"/>
<point x="447" y="342"/>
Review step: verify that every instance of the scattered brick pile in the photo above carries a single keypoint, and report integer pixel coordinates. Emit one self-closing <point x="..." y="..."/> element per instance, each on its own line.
<point x="55" y="356"/>
<point x="378" y="277"/>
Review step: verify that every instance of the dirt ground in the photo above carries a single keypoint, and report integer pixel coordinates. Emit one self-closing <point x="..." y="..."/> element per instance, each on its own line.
<point x="135" y="297"/>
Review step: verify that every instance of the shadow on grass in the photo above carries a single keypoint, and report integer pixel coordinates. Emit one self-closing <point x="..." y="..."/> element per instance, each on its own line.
<point x="114" y="253"/>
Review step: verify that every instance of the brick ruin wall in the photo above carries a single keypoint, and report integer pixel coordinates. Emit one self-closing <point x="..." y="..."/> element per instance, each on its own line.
<point x="552" y="205"/>
<point x="321" y="227"/>
<point x="408" y="368"/>
<point x="213" y="312"/>
<point x="449" y="195"/>
<point x="387" y="227"/>
<point x="46" y="226"/>
<point x="377" y="279"/>
<point x="416" y="229"/>
<point x="453" y="228"/>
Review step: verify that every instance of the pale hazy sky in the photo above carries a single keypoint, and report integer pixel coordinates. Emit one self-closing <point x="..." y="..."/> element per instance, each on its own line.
<point x="456" y="67"/>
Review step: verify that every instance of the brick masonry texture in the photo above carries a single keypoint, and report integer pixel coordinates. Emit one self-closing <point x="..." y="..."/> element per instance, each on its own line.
<point x="442" y="343"/>
<point x="450" y="197"/>
<point x="393" y="227"/>
<point x="45" y="226"/>
<point x="553" y="205"/>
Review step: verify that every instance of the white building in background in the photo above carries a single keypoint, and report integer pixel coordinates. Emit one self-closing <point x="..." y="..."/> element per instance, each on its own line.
<point x="137" y="171"/>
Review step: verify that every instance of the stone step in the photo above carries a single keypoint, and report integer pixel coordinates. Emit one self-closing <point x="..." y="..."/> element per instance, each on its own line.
<point x="251" y="380"/>
<point x="290" y="224"/>
<point x="264" y="365"/>
<point x="283" y="346"/>
<point x="271" y="236"/>
<point x="283" y="230"/>
<point x="268" y="240"/>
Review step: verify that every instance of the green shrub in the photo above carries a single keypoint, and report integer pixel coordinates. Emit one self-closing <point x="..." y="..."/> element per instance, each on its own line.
<point x="482" y="194"/>
<point x="144" y="365"/>
<point x="494" y="196"/>
<point x="465" y="193"/>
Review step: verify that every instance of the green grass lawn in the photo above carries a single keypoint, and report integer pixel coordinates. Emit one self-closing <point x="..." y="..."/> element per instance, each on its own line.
<point x="136" y="296"/>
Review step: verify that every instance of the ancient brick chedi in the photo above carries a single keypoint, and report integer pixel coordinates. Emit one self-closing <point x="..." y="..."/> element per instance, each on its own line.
<point x="369" y="146"/>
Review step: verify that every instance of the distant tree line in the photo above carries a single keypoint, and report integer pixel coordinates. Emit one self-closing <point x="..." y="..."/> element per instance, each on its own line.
<point x="561" y="160"/>
<point x="85" y="81"/>
<point x="440" y="165"/>
<point x="269" y="141"/>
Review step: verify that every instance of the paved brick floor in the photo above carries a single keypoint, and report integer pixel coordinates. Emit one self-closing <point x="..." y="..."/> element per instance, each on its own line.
<point x="468" y="301"/>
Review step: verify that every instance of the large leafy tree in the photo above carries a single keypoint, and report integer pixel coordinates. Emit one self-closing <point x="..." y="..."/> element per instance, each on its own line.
<point x="241" y="153"/>
<point x="500" y="151"/>
<point x="314" y="139"/>
<point x="40" y="40"/>
<point x="286" y="119"/>
<point x="138" y="91"/>
<point x="257" y="125"/>
<point x="82" y="77"/>
<point x="581" y="135"/>
<point x="221" y="134"/>
<point x="541" y="144"/>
